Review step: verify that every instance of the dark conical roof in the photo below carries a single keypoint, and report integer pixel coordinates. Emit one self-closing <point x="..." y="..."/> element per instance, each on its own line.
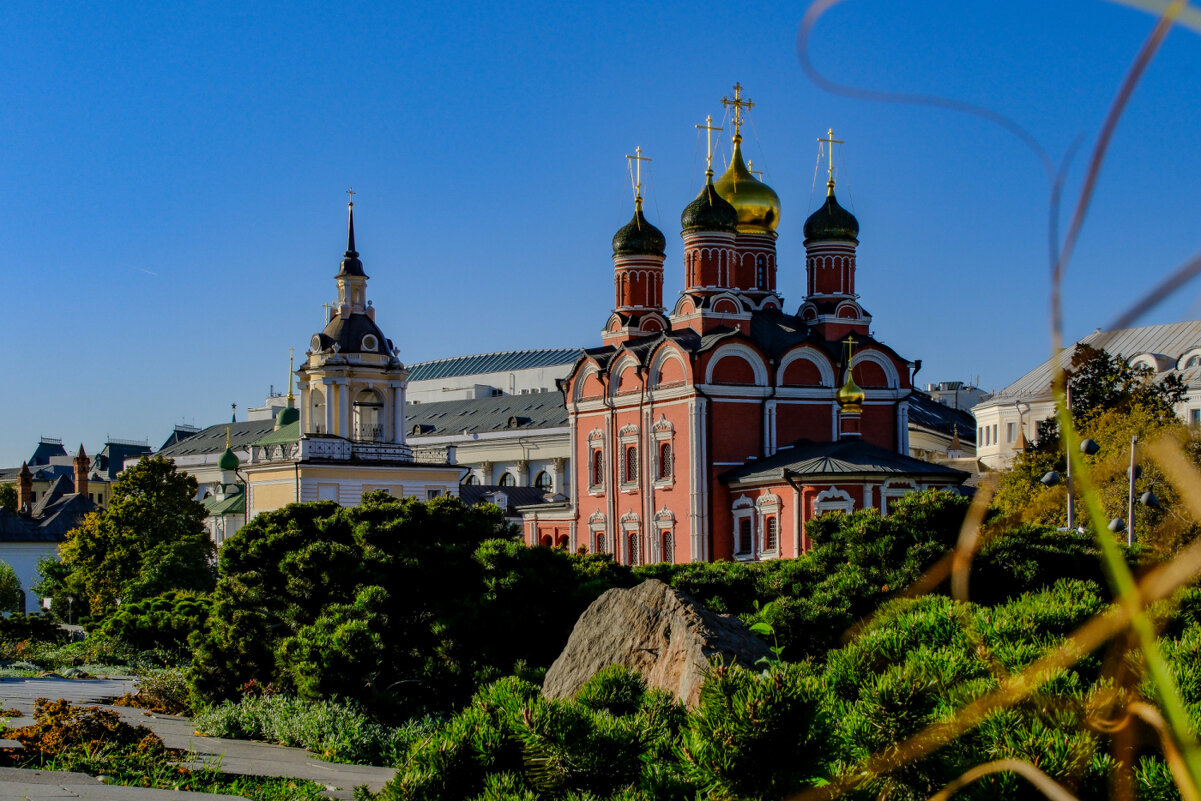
<point x="639" y="238"/>
<point x="709" y="212"/>
<point x="350" y="260"/>
<point x="831" y="222"/>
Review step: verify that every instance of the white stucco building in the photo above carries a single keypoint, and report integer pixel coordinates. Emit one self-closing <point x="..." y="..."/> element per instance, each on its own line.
<point x="1012" y="414"/>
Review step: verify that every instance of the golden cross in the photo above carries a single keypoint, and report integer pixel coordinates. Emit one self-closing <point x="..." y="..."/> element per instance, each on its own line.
<point x="638" y="158"/>
<point x="750" y="167"/>
<point x="850" y="343"/>
<point x="324" y="313"/>
<point x="709" y="128"/>
<point x="351" y="193"/>
<point x="830" y="170"/>
<point x="738" y="104"/>
<point x="291" y="358"/>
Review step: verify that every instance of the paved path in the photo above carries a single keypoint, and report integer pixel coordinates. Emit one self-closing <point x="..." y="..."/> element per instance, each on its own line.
<point x="236" y="756"/>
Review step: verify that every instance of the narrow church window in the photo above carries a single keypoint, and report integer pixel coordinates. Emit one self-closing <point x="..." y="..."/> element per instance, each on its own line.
<point x="635" y="555"/>
<point x="761" y="272"/>
<point x="744" y="535"/>
<point x="631" y="464"/>
<point x="669" y="547"/>
<point x="600" y="543"/>
<point x="598" y="468"/>
<point x="771" y="538"/>
<point x="665" y="465"/>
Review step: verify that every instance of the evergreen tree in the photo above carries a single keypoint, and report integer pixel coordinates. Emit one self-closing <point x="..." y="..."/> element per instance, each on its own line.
<point x="149" y="539"/>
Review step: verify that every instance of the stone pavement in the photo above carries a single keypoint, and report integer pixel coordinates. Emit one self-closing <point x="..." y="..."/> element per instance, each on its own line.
<point x="235" y="756"/>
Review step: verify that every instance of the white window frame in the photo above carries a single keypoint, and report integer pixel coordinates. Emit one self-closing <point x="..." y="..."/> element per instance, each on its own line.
<point x="768" y="506"/>
<point x="663" y="432"/>
<point x="744" y="509"/>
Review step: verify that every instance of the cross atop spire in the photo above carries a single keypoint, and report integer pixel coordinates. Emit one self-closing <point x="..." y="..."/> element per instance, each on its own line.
<point x="738" y="104"/>
<point x="291" y="358"/>
<point x="637" y="159"/>
<point x="831" y="141"/>
<point x="709" y="128"/>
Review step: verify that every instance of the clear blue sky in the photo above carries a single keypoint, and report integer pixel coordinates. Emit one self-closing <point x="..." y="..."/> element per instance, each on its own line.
<point x="173" y="210"/>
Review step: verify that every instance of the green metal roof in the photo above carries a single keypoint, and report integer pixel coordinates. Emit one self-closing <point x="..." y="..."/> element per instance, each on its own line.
<point x="287" y="435"/>
<point x="233" y="505"/>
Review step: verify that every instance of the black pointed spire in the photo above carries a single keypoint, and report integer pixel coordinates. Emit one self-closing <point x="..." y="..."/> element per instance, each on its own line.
<point x="350" y="260"/>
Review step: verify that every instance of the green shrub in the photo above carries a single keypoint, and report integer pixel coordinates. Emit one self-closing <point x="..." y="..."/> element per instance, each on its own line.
<point x="161" y="623"/>
<point x="37" y="627"/>
<point x="335" y="731"/>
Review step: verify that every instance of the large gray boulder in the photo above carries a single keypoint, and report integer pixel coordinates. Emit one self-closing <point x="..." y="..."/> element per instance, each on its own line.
<point x="657" y="631"/>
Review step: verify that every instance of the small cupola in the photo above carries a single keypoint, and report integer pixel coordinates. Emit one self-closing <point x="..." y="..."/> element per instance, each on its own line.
<point x="709" y="212"/>
<point x="831" y="222"/>
<point x="638" y="237"/>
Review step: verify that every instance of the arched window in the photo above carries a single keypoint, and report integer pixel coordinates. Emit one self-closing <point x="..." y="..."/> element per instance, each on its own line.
<point x="471" y="480"/>
<point x="635" y="553"/>
<point x="545" y="541"/>
<point x="761" y="272"/>
<point x="631" y="464"/>
<point x="665" y="465"/>
<point x="369" y="416"/>
<point x="744" y="535"/>
<point x="771" y="534"/>
<point x="507" y="480"/>
<point x="669" y="547"/>
<point x="600" y="542"/>
<point x="598" y="468"/>
<point x="542" y="481"/>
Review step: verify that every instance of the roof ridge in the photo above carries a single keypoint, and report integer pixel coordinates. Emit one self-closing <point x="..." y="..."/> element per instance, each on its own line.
<point x="494" y="353"/>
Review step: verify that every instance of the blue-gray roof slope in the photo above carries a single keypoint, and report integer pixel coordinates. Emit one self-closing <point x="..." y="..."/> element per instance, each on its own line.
<point x="500" y="362"/>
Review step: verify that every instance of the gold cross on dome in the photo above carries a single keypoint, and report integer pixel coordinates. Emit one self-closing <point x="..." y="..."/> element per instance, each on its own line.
<point x="350" y="193"/>
<point x="831" y="141"/>
<point x="850" y="342"/>
<point x="750" y="167"/>
<point x="709" y="128"/>
<point x="738" y="105"/>
<point x="637" y="158"/>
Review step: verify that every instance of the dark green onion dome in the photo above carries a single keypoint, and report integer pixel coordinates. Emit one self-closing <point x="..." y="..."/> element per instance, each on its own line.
<point x="709" y="212"/>
<point x="286" y="416"/>
<point x="638" y="237"/>
<point x="228" y="461"/>
<point x="831" y="222"/>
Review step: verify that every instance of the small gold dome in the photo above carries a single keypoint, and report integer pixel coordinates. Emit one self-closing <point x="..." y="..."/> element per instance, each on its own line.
<point x="850" y="396"/>
<point x="757" y="204"/>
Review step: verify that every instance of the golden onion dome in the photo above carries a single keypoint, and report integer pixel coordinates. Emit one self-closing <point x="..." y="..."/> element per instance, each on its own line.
<point x="757" y="204"/>
<point x="850" y="396"/>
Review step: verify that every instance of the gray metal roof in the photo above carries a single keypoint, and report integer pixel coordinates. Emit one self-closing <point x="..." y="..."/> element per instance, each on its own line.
<point x="936" y="416"/>
<point x="493" y="363"/>
<point x="212" y="439"/>
<point x="840" y="459"/>
<point x="1170" y="340"/>
<point x="484" y="415"/>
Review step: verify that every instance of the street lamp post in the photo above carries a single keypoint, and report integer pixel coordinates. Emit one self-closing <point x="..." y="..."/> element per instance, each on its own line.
<point x="1134" y="471"/>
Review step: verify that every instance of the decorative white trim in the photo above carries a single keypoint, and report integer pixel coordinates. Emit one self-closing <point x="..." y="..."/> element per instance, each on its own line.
<point x="811" y="355"/>
<point x="891" y="376"/>
<point x="833" y="499"/>
<point x="746" y="353"/>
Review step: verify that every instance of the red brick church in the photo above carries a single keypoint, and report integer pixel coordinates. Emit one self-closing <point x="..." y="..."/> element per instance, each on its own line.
<point x="719" y="429"/>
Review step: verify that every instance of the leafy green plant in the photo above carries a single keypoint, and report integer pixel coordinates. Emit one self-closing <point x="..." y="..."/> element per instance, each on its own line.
<point x="332" y="730"/>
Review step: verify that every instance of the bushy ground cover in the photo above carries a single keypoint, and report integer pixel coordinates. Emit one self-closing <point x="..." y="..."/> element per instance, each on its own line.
<point x="764" y="733"/>
<point x="97" y="742"/>
<point x="332" y="730"/>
